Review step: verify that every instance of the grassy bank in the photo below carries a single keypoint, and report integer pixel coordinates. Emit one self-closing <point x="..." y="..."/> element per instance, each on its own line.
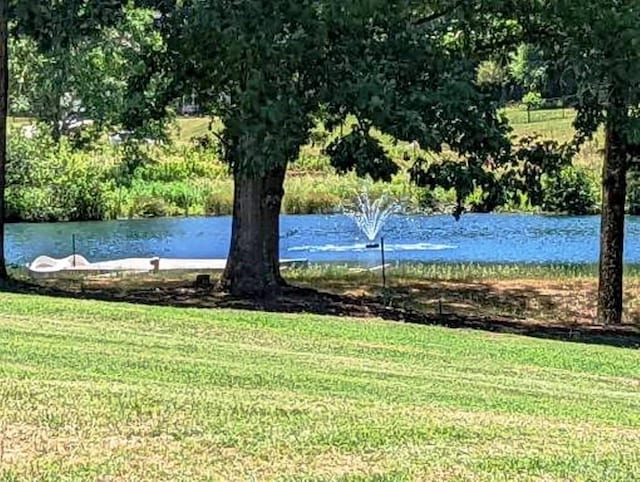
<point x="108" y="391"/>
<point x="564" y="294"/>
<point x="461" y="271"/>
<point x="182" y="179"/>
<point x="537" y="295"/>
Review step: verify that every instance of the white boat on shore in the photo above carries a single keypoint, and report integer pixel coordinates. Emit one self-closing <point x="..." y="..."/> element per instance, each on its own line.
<point x="45" y="266"/>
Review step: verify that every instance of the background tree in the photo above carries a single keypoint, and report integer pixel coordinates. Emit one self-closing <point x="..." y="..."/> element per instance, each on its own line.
<point x="597" y="46"/>
<point x="521" y="69"/>
<point x="80" y="83"/>
<point x="269" y="71"/>
<point x="23" y="66"/>
<point x="4" y="108"/>
<point x="528" y="68"/>
<point x="593" y="48"/>
<point x="37" y="19"/>
<point x="421" y="85"/>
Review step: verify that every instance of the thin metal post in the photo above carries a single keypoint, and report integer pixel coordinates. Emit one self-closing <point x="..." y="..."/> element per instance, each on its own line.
<point x="384" y="274"/>
<point x="73" y="246"/>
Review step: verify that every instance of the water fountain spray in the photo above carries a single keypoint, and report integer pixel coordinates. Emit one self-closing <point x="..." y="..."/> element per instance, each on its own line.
<point x="370" y="216"/>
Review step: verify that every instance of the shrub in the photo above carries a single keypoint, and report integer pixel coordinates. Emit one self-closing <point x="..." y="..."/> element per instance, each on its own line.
<point x="572" y="191"/>
<point x="29" y="160"/>
<point x="310" y="202"/>
<point x="310" y="161"/>
<point x="31" y="204"/>
<point x="217" y="197"/>
<point x="52" y="182"/>
<point x="183" y="195"/>
<point x="186" y="163"/>
<point x="116" y="201"/>
<point x="311" y="195"/>
<point x="480" y="201"/>
<point x="148" y="207"/>
<point x="81" y="189"/>
<point x="218" y="205"/>
<point x="532" y="100"/>
<point x="491" y="73"/>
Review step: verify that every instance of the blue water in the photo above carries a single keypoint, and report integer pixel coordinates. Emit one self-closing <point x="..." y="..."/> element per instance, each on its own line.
<point x="491" y="238"/>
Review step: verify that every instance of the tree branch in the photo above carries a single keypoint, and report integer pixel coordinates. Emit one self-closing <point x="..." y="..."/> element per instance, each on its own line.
<point x="439" y="14"/>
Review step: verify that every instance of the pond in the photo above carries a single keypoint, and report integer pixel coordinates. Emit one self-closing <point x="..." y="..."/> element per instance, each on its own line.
<point x="489" y="238"/>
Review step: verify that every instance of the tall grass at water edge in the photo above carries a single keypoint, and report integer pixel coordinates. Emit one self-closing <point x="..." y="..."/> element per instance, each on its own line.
<point x="455" y="271"/>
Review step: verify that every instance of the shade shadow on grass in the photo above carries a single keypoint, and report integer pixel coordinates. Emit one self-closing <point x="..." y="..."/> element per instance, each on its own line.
<point x="455" y="304"/>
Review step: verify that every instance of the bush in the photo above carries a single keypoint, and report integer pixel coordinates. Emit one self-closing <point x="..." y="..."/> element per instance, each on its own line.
<point x="184" y="195"/>
<point x="491" y="73"/>
<point x="217" y="204"/>
<point x="310" y="161"/>
<point x="532" y="100"/>
<point x="219" y="199"/>
<point x="171" y="164"/>
<point x="52" y="182"/>
<point x="148" y="207"/>
<point x="310" y="202"/>
<point x="116" y="199"/>
<point x="31" y="204"/>
<point x="572" y="191"/>
<point x="49" y="181"/>
<point x="482" y="200"/>
<point x="81" y="189"/>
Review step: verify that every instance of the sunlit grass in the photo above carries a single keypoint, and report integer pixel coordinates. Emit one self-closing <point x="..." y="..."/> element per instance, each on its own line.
<point x="108" y="391"/>
<point x="554" y="124"/>
<point x="187" y="128"/>
<point x="458" y="271"/>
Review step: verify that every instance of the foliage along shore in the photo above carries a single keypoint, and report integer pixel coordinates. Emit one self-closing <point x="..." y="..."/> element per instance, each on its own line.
<point x="52" y="181"/>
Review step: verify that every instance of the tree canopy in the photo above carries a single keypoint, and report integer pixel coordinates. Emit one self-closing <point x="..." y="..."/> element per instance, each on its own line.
<point x="271" y="70"/>
<point x="49" y="23"/>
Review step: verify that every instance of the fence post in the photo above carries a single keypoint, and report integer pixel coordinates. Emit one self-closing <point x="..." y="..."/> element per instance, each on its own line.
<point x="73" y="246"/>
<point x="528" y="114"/>
<point x="384" y="274"/>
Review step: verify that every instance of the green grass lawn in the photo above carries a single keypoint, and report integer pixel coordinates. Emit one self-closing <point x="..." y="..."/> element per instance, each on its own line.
<point x="97" y="391"/>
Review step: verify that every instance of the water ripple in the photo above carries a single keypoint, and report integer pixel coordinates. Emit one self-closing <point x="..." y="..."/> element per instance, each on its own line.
<point x="327" y="248"/>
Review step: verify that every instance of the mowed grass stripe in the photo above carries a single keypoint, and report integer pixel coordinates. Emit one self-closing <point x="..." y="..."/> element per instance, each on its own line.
<point x="110" y="351"/>
<point x="440" y="367"/>
<point x="318" y="335"/>
<point x="90" y="390"/>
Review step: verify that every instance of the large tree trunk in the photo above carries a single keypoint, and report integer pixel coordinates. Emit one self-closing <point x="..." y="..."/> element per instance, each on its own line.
<point x="614" y="181"/>
<point x="253" y="267"/>
<point x="271" y="207"/>
<point x="4" y="96"/>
